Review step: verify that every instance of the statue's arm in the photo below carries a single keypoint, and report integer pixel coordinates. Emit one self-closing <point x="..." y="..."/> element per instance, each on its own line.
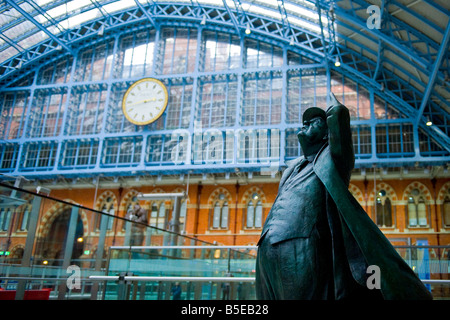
<point x="340" y="137"/>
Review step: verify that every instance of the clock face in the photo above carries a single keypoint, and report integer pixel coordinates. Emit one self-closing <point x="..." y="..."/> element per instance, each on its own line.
<point x="145" y="101"/>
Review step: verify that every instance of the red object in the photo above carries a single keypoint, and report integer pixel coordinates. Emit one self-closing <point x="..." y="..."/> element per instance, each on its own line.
<point x="42" y="294"/>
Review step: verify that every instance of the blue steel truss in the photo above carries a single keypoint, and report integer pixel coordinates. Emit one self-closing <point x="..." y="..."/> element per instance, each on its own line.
<point x="398" y="84"/>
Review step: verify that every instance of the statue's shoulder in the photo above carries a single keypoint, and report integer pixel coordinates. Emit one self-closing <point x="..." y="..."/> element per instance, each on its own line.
<point x="294" y="162"/>
<point x="290" y="164"/>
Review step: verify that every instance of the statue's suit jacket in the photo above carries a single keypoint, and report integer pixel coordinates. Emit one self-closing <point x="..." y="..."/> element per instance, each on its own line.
<point x="356" y="241"/>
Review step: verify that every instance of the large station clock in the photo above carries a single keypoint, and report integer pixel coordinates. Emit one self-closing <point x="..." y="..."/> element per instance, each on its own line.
<point x="145" y="101"/>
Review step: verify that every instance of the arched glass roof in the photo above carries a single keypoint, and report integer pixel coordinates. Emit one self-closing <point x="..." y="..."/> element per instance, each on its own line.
<point x="398" y="47"/>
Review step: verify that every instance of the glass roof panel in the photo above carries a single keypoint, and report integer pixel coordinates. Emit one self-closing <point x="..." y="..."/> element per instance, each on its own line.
<point x="120" y="5"/>
<point x="71" y="8"/>
<point x="8" y="53"/>
<point x="33" y="39"/>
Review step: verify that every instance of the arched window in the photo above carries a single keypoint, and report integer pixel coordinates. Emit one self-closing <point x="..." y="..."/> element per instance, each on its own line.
<point x="5" y="218"/>
<point x="254" y="212"/>
<point x="132" y="201"/>
<point x="25" y="219"/>
<point x="383" y="210"/>
<point x="183" y="211"/>
<point x="106" y="206"/>
<point x="161" y="223"/>
<point x="417" y="209"/>
<point x="220" y="213"/>
<point x="159" y="215"/>
<point x="23" y="216"/>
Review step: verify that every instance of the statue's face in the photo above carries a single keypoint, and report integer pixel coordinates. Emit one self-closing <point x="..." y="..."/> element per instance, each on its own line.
<point x="313" y="131"/>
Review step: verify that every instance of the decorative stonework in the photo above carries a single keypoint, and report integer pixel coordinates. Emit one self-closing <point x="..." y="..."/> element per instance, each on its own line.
<point x="127" y="198"/>
<point x="216" y="193"/>
<point x="390" y="192"/>
<point x="443" y="192"/>
<point x="356" y="192"/>
<point x="50" y="216"/>
<point x="248" y="194"/>
<point x="419" y="186"/>
<point x="102" y="198"/>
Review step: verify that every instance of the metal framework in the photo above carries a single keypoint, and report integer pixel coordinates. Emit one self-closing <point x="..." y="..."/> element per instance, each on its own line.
<point x="405" y="66"/>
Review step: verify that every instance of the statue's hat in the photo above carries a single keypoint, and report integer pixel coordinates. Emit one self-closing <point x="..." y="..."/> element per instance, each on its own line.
<point x="314" y="112"/>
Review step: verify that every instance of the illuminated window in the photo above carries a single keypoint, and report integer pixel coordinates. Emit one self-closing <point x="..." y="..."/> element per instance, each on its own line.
<point x="383" y="210"/>
<point x="5" y="218"/>
<point x="351" y="94"/>
<point x="107" y="207"/>
<point x="222" y="51"/>
<point x="39" y="156"/>
<point x="417" y="209"/>
<point x="95" y="63"/>
<point x="85" y="114"/>
<point x="305" y="88"/>
<point x="159" y="215"/>
<point x="179" y="50"/>
<point x="217" y="102"/>
<point x="260" y="54"/>
<point x="394" y="140"/>
<point x="79" y="153"/>
<point x="220" y="213"/>
<point x="135" y="56"/>
<point x="58" y="72"/>
<point x="13" y="108"/>
<point x="124" y="150"/>
<point x="8" y="156"/>
<point x="177" y="114"/>
<point x="362" y="141"/>
<point x="254" y="212"/>
<point x="262" y="100"/>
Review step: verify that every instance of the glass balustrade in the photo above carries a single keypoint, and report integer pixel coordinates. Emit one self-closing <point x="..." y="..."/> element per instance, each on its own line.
<point x="49" y="249"/>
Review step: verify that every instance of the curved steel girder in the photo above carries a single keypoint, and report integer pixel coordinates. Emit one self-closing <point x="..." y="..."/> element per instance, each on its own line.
<point x="405" y="49"/>
<point x="387" y="35"/>
<point x="364" y="77"/>
<point x="390" y="81"/>
<point x="304" y="39"/>
<point x="39" y="26"/>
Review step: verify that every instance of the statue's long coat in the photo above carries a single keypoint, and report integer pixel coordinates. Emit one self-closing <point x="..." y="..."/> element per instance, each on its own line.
<point x="356" y="241"/>
<point x="364" y="243"/>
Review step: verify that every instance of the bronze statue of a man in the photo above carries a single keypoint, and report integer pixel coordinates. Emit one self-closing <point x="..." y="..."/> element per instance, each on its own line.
<point x="317" y="241"/>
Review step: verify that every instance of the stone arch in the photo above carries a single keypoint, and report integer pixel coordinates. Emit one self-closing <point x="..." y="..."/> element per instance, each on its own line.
<point x="126" y="198"/>
<point x="51" y="214"/>
<point x="216" y="193"/>
<point x="17" y="252"/>
<point x="356" y="192"/>
<point x="445" y="190"/>
<point x="102" y="197"/>
<point x="390" y="192"/>
<point x="247" y="194"/>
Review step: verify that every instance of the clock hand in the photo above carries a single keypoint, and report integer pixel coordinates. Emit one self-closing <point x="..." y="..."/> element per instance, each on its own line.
<point x="140" y="102"/>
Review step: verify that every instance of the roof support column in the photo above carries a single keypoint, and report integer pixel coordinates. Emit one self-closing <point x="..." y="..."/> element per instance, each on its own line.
<point x="432" y="79"/>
